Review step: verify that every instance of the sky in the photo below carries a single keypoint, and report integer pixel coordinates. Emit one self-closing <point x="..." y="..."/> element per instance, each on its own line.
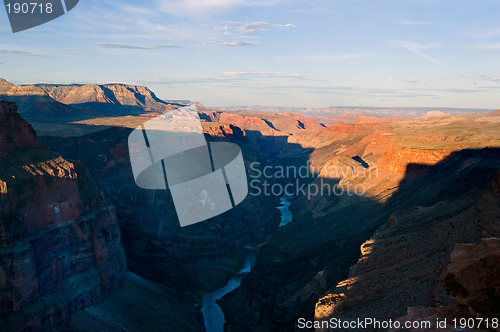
<point x="294" y="53"/>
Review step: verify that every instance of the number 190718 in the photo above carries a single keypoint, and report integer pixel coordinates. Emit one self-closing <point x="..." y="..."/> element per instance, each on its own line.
<point x="29" y="8"/>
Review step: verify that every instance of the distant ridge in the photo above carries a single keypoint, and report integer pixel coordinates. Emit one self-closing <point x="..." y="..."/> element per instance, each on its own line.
<point x="34" y="103"/>
<point x="41" y="102"/>
<point x="108" y="98"/>
<point x="348" y="114"/>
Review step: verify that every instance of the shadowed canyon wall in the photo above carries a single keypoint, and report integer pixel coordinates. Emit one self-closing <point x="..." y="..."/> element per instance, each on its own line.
<point x="60" y="240"/>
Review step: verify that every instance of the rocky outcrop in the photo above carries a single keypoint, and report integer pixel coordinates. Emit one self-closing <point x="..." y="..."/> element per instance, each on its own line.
<point x="223" y="130"/>
<point x="15" y="133"/>
<point x="60" y="247"/>
<point x="472" y="278"/>
<point x="265" y="123"/>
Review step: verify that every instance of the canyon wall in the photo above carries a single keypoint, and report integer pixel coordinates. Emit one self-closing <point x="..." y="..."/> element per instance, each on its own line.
<point x="60" y="241"/>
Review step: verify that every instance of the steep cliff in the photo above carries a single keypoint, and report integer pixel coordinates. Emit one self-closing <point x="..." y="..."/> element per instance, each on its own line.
<point x="60" y="246"/>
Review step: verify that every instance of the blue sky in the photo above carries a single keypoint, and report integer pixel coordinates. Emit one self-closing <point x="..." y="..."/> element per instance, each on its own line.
<point x="314" y="53"/>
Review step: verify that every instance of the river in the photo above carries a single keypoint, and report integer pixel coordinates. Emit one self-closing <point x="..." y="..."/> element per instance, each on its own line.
<point x="286" y="214"/>
<point x="213" y="316"/>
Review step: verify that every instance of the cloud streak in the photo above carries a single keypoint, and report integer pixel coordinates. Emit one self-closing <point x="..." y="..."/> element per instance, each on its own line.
<point x="16" y="52"/>
<point x="417" y="48"/>
<point x="249" y="28"/>
<point x="234" y="77"/>
<point x="487" y="34"/>
<point x="238" y="33"/>
<point x="487" y="46"/>
<point x="197" y="7"/>
<point x="482" y="77"/>
<point x="253" y="75"/>
<point x="136" y="47"/>
<point x="409" y="22"/>
<point x="238" y="42"/>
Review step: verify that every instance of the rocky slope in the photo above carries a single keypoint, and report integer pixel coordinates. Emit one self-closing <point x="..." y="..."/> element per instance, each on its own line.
<point x="60" y="246"/>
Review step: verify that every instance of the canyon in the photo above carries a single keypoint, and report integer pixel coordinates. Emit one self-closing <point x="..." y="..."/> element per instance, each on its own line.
<point x="75" y="217"/>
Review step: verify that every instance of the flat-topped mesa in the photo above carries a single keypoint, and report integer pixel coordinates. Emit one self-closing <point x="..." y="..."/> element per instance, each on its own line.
<point x="115" y="94"/>
<point x="54" y="102"/>
<point x="34" y="103"/>
<point x="15" y="132"/>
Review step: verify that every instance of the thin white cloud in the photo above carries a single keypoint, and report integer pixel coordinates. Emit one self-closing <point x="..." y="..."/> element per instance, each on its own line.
<point x="288" y="25"/>
<point x="487" y="34"/>
<point x="136" y="9"/>
<point x="482" y="77"/>
<point x="238" y="42"/>
<point x="409" y="22"/>
<point x="4" y="52"/>
<point x="417" y="48"/>
<point x="253" y="27"/>
<point x="405" y="80"/>
<point x="250" y="74"/>
<point x="487" y="46"/>
<point x="261" y="75"/>
<point x="136" y="47"/>
<point x="249" y="28"/>
<point x="325" y="58"/>
<point x="237" y="33"/>
<point x="196" y="7"/>
<point x="245" y="77"/>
